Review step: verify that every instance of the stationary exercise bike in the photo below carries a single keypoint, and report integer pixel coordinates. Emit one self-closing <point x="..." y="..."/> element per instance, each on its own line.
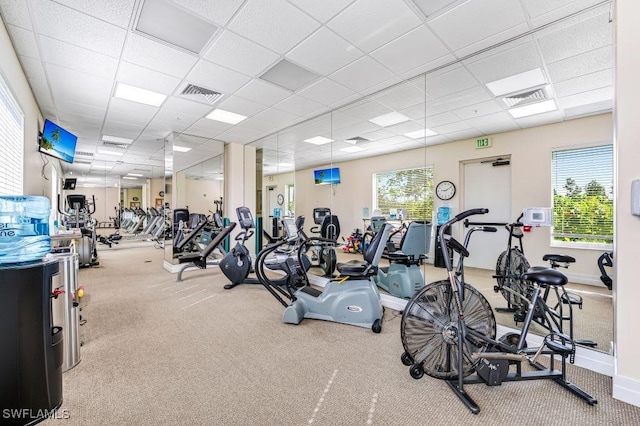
<point x="403" y="277"/>
<point x="352" y="298"/>
<point x="236" y="264"/>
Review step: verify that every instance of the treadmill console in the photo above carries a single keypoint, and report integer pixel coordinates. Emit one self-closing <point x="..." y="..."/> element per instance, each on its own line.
<point x="290" y="229"/>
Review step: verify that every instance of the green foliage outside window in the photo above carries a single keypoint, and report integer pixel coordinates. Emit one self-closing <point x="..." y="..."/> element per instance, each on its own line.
<point x="410" y="190"/>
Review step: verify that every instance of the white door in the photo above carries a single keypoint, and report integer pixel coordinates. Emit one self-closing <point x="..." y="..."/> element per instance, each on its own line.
<point x="487" y="184"/>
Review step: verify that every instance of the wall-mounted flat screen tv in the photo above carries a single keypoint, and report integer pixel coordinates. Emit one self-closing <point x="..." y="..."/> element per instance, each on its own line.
<point x="327" y="176"/>
<point x="57" y="142"/>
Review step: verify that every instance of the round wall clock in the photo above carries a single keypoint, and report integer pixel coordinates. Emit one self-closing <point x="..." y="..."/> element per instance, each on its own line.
<point x="280" y="199"/>
<point x="135" y="198"/>
<point x="445" y="190"/>
<point x="161" y="193"/>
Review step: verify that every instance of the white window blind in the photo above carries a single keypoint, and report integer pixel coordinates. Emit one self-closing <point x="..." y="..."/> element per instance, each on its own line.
<point x="410" y="190"/>
<point x="11" y="143"/>
<point x="583" y="195"/>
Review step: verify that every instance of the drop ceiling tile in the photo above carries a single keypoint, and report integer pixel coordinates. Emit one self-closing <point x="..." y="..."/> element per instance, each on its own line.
<point x="324" y="10"/>
<point x="345" y="101"/>
<point x="406" y="127"/>
<point x="389" y="18"/>
<point x="117" y="12"/>
<point x="473" y="16"/>
<point x="215" y="77"/>
<point x="88" y="120"/>
<point x="132" y="112"/>
<point x="145" y="78"/>
<point x="81" y="109"/>
<point x="259" y="125"/>
<point x="276" y="24"/>
<point x="239" y="135"/>
<point x="239" y="54"/>
<point x="326" y="92"/>
<point x="400" y="97"/>
<point x="455" y="80"/>
<point x="357" y="129"/>
<point x="183" y="108"/>
<point x="128" y="129"/>
<point x="77" y="58"/>
<point x="75" y="86"/>
<point x="207" y="128"/>
<point x="589" y="109"/>
<point x="16" y="13"/>
<point x="241" y="106"/>
<point x="59" y="22"/>
<point x="465" y="134"/>
<point x="458" y="100"/>
<point x="441" y="119"/>
<point x="40" y="89"/>
<point x="583" y="37"/>
<point x="584" y="83"/>
<point x="163" y="127"/>
<point x="416" y="112"/>
<point x="416" y="48"/>
<point x="452" y="128"/>
<point x="24" y="42"/>
<point x="366" y="110"/>
<point x="262" y="92"/>
<point x="586" y="63"/>
<point x="381" y="86"/>
<point x="157" y="56"/>
<point x="543" y="12"/>
<point x="362" y="74"/>
<point x="540" y="119"/>
<point x="585" y="98"/>
<point x="324" y="52"/>
<point x="478" y="110"/>
<point x="146" y="144"/>
<point x="216" y="11"/>
<point x="32" y="68"/>
<point x="521" y="58"/>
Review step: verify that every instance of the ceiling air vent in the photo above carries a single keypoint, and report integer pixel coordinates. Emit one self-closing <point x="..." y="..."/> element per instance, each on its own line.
<point x="357" y="139"/>
<point x="115" y="144"/>
<point x="201" y="94"/>
<point x="84" y="154"/>
<point x="80" y="161"/>
<point x="530" y="96"/>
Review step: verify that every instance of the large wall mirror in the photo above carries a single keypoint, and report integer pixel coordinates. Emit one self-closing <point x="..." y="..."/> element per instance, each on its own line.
<point x="193" y="186"/>
<point x="493" y="125"/>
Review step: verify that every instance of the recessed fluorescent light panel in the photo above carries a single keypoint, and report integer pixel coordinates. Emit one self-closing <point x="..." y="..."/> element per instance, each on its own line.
<point x="225" y="116"/>
<point x="532" y="109"/>
<point x="129" y="178"/>
<point x="424" y="133"/>
<point x="352" y="149"/>
<point x="116" y="139"/>
<point x="107" y="152"/>
<point x="318" y="140"/>
<point x="288" y="75"/>
<point x="167" y="22"/>
<point x="135" y="174"/>
<point x="97" y="166"/>
<point x="181" y="148"/>
<point x="389" y="119"/>
<point x="519" y="82"/>
<point x="284" y="165"/>
<point x="136" y="94"/>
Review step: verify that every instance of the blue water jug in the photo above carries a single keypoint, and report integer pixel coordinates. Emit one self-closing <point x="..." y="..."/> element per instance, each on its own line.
<point x="24" y="228"/>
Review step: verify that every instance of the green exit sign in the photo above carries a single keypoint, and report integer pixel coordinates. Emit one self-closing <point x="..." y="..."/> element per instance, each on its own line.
<point x="483" y="143"/>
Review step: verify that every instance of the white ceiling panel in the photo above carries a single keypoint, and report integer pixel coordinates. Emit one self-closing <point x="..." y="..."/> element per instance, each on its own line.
<point x="124" y="129"/>
<point x="215" y="77"/>
<point x="364" y="111"/>
<point x="85" y="119"/>
<point x="464" y="134"/>
<point x="458" y="100"/>
<point x="401" y="96"/>
<point x="452" y="128"/>
<point x="161" y="127"/>
<point x="260" y="125"/>
<point x="585" y="98"/>
<point x="369" y="24"/>
<point x="62" y="23"/>
<point x="16" y="13"/>
<point x="262" y="92"/>
<point x="583" y="37"/>
<point x="238" y="135"/>
<point x="24" y="42"/>
<point x="545" y="11"/>
<point x="406" y="127"/>
<point x="478" y="110"/>
<point x="138" y="76"/>
<point x="216" y="11"/>
<point x="456" y="80"/>
<point x="324" y="52"/>
<point x="322" y="10"/>
<point x="362" y="74"/>
<point x="117" y="12"/>
<point x="176" y="107"/>
<point x="125" y="111"/>
<point x="241" y="106"/>
<point x="239" y="54"/>
<point x="207" y="128"/>
<point x="277" y="117"/>
<point x="467" y="23"/>
<point x="275" y="23"/>
<point x="584" y="83"/>
<point x="326" y="92"/>
<point x="82" y="109"/>
<point x="156" y="56"/>
<point x="417" y="47"/>
<point x="80" y="59"/>
<point x="33" y="68"/>
<point x="540" y="119"/>
<point x="586" y="63"/>
<point x="40" y="89"/>
<point x="75" y="86"/>
<point x="147" y="145"/>
<point x="380" y="86"/>
<point x="506" y="63"/>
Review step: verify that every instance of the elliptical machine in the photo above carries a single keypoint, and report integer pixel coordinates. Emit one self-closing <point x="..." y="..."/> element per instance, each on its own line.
<point x="352" y="298"/>
<point x="403" y="277"/>
<point x="236" y="264"/>
<point x="323" y="251"/>
<point x="79" y="216"/>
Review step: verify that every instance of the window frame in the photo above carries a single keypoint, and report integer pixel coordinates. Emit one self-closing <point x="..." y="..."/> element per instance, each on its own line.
<point x="430" y="194"/>
<point x="15" y="147"/>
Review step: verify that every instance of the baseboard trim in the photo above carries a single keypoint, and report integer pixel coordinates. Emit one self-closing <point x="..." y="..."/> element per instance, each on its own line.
<point x="174" y="269"/>
<point x="626" y="390"/>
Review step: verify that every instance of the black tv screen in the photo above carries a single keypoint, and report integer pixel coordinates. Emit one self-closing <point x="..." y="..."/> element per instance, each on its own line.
<point x="57" y="142"/>
<point x="327" y="176"/>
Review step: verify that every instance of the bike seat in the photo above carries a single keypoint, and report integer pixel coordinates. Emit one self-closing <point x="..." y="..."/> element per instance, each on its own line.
<point x="558" y="258"/>
<point x="545" y="276"/>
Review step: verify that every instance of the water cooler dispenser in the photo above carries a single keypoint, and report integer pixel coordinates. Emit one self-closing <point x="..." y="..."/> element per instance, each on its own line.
<point x="31" y="354"/>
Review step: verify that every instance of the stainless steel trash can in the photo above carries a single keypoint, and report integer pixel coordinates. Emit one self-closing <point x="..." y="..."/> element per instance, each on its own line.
<point x="67" y="311"/>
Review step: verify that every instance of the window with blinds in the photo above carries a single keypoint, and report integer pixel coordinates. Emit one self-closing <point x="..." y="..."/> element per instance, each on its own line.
<point x="583" y="195"/>
<point x="11" y="143"/>
<point x="409" y="191"/>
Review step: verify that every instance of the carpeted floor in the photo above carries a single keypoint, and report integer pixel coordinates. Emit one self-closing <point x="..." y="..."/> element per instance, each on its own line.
<point x="157" y="352"/>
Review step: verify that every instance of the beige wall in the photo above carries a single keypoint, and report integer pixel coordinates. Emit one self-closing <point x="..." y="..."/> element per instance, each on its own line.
<point x="530" y="151"/>
<point x="200" y="194"/>
<point x="627" y="227"/>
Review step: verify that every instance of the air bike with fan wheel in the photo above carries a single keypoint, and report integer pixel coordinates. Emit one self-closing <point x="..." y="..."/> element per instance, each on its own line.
<point x="351" y="298"/>
<point x="448" y="330"/>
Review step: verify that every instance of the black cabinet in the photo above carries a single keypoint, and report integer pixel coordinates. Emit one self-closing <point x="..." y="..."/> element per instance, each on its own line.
<point x="31" y="353"/>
